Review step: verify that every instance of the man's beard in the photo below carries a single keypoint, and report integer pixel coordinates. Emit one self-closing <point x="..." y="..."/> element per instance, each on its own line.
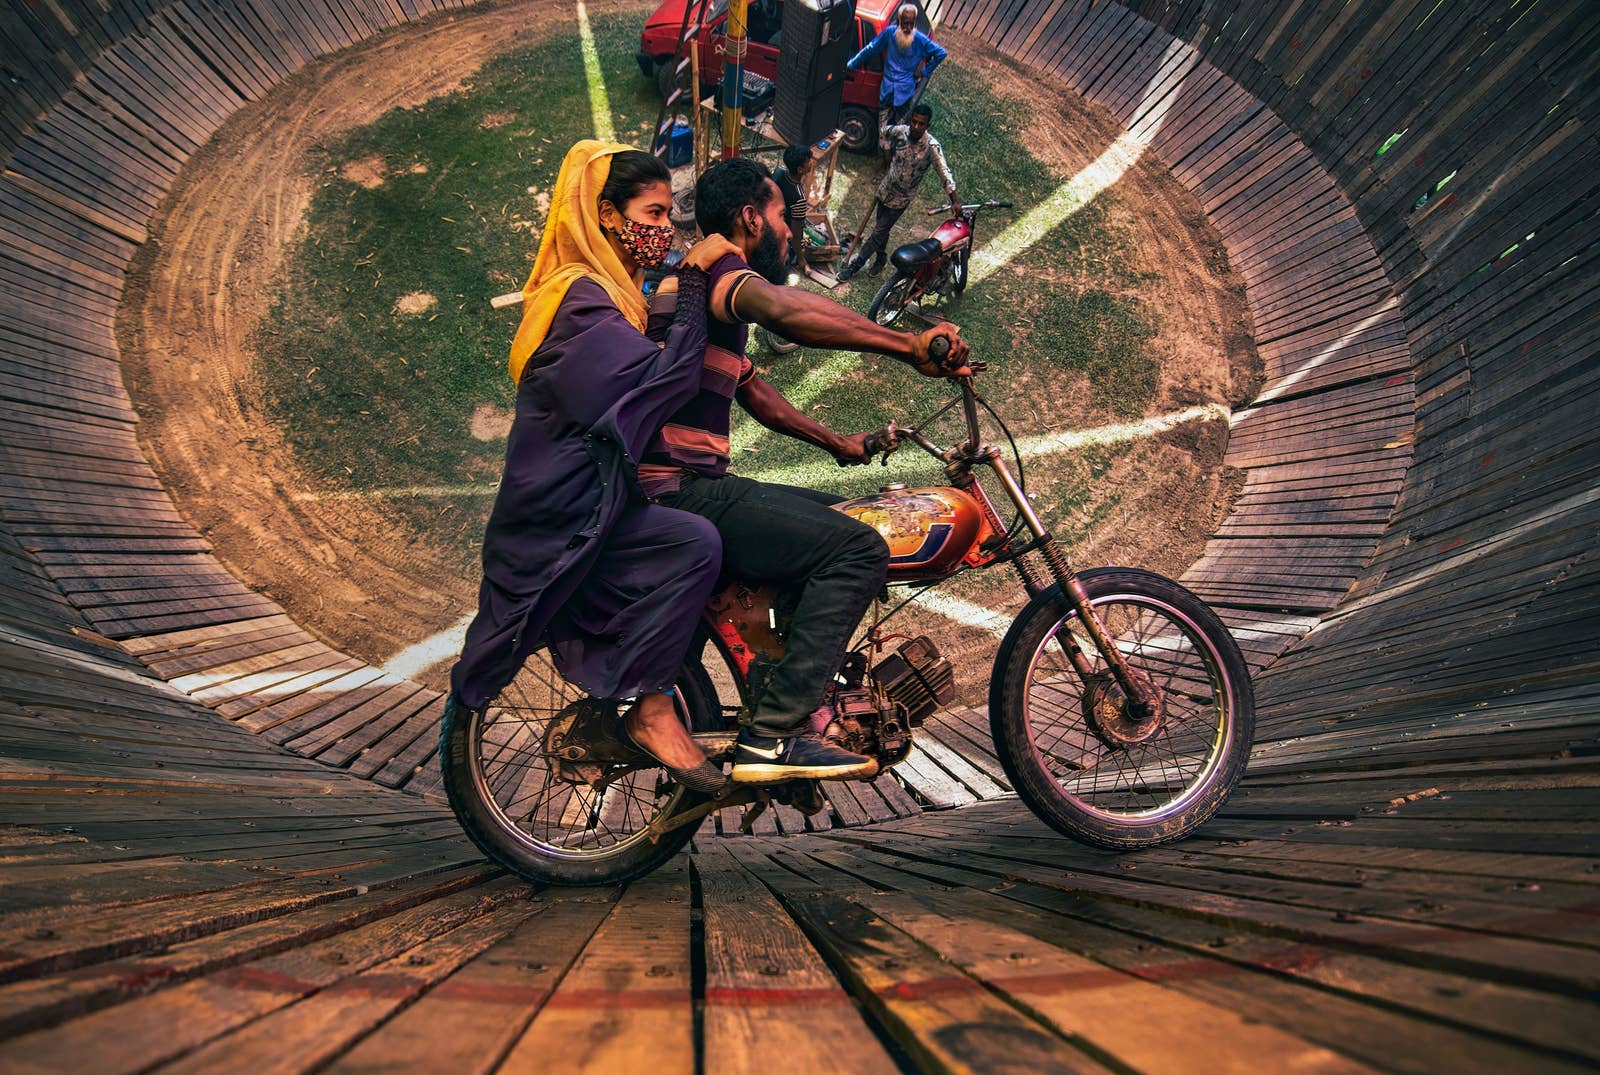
<point x="770" y="258"/>
<point x="914" y="135"/>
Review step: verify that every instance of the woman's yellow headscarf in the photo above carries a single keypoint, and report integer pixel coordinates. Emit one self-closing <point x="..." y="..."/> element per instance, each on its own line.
<point x="574" y="246"/>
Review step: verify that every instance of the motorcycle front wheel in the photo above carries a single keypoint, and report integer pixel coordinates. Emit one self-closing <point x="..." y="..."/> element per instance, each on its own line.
<point x="891" y="299"/>
<point x="539" y="817"/>
<point x="1076" y="754"/>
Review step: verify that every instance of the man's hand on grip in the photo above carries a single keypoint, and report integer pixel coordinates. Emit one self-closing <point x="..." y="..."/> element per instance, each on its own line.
<point x="930" y="364"/>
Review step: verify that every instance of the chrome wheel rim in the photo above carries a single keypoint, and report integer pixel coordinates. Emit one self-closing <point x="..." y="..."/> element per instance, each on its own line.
<point x="1147" y="781"/>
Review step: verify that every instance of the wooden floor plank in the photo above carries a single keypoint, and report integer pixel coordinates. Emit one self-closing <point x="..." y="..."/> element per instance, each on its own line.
<point x="760" y="971"/>
<point x="1085" y="1000"/>
<point x="304" y="1036"/>
<point x="487" y="1004"/>
<point x="943" y="1018"/>
<point x="166" y="1024"/>
<point x="32" y="1003"/>
<point x="628" y="996"/>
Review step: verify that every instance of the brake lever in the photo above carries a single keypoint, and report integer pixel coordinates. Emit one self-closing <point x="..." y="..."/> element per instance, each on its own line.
<point x="884" y="441"/>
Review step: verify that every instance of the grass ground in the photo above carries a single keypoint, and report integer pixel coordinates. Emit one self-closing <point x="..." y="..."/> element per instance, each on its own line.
<point x="384" y="365"/>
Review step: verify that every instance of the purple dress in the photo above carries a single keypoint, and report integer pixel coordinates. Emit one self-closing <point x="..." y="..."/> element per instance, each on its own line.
<point x="574" y="555"/>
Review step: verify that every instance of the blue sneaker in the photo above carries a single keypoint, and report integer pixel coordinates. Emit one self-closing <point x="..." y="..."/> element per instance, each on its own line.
<point x="758" y="759"/>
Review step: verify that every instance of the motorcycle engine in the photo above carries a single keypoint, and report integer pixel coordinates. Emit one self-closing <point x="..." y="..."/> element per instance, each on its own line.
<point x="916" y="678"/>
<point x="874" y="715"/>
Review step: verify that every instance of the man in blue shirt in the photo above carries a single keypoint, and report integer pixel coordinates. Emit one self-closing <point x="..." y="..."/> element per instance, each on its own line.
<point x="904" y="49"/>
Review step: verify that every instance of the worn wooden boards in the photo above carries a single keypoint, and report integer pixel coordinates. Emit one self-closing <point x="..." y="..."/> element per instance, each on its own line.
<point x="1410" y="192"/>
<point x="237" y="904"/>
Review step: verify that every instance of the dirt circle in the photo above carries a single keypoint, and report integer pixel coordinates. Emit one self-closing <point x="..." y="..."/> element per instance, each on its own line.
<point x="345" y="571"/>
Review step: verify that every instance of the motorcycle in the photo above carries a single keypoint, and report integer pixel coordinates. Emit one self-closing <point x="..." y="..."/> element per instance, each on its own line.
<point x="1120" y="706"/>
<point x="936" y="265"/>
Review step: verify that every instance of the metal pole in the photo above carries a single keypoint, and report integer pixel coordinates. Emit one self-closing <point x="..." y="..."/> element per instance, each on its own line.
<point x="733" y="75"/>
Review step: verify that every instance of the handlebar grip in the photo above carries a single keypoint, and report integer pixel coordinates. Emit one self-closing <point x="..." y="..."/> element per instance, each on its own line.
<point x="939" y="349"/>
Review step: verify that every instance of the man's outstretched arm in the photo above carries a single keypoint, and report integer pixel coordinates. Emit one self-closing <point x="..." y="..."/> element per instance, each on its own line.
<point x="812" y="320"/>
<point x="767" y="406"/>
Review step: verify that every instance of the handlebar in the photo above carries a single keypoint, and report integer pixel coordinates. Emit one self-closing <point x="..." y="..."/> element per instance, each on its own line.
<point x="884" y="442"/>
<point x="970" y="207"/>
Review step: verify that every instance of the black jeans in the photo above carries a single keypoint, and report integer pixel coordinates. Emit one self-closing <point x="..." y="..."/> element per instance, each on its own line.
<point x="834" y="565"/>
<point x="878" y="241"/>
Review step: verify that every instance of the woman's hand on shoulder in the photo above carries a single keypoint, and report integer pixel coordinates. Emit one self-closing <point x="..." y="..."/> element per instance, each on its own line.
<point x="710" y="250"/>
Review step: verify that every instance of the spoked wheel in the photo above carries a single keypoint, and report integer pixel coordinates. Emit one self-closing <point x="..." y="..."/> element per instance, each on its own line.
<point x="891" y="299"/>
<point x="543" y="789"/>
<point x="776" y="343"/>
<point x="1091" y="764"/>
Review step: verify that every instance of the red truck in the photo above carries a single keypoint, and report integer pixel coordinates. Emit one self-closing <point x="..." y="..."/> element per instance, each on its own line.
<point x="858" y="116"/>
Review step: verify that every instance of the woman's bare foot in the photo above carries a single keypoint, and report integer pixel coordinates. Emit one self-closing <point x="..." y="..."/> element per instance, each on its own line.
<point x="654" y="724"/>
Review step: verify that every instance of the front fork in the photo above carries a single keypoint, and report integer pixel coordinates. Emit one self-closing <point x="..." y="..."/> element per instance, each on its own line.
<point x="1137" y="689"/>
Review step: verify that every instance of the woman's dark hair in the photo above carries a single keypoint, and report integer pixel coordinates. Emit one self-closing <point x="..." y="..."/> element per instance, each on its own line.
<point x="795" y="157"/>
<point x="631" y="171"/>
<point x="727" y="187"/>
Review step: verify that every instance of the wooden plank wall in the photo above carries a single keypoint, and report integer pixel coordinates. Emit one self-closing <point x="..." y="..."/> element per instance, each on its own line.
<point x="105" y="104"/>
<point x="1337" y="242"/>
<point x="1327" y="443"/>
<point x="1411" y="191"/>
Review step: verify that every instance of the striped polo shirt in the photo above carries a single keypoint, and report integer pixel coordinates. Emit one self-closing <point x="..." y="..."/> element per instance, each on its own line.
<point x="695" y="438"/>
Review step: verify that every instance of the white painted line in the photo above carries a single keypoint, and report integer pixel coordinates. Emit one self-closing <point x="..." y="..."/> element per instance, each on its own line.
<point x="599" y="103"/>
<point x="964" y="612"/>
<point x="402" y="492"/>
<point x="414" y="660"/>
<point x="1280" y="387"/>
<point x="909" y="460"/>
<point x="1033" y="225"/>
<point x="1120" y="432"/>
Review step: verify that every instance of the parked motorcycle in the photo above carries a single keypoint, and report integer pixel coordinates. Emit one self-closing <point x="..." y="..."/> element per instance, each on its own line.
<point x="936" y="265"/>
<point x="1120" y="706"/>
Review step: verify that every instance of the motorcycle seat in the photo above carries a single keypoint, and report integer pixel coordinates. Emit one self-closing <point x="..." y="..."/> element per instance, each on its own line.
<point x="913" y="256"/>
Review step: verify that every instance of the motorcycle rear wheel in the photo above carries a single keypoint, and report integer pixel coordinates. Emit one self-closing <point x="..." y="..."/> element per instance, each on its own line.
<point x="891" y="299"/>
<point x="1050" y="727"/>
<point x="508" y="796"/>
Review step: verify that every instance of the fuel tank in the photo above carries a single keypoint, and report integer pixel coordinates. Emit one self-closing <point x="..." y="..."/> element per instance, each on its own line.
<point x="928" y="530"/>
<point x="952" y="233"/>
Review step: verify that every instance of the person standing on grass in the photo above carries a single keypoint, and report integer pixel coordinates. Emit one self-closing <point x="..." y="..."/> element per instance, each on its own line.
<point x="798" y="164"/>
<point x="574" y="556"/>
<point x="911" y="151"/>
<point x="906" y="51"/>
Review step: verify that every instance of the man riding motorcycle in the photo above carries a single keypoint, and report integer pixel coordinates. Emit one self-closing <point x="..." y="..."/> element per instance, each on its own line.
<point x="834" y="564"/>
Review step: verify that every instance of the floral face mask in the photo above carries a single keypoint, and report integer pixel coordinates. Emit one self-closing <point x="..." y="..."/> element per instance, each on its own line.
<point x="647" y="244"/>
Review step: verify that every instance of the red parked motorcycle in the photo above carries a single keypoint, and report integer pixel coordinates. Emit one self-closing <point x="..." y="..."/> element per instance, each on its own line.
<point x="936" y="265"/>
<point x="1120" y="706"/>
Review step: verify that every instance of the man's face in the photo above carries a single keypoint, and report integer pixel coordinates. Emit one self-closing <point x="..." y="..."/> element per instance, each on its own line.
<point x="919" y="127"/>
<point x="907" y="21"/>
<point x="766" y="245"/>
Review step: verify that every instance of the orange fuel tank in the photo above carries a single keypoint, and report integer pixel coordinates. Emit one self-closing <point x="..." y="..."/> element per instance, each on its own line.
<point x="928" y="530"/>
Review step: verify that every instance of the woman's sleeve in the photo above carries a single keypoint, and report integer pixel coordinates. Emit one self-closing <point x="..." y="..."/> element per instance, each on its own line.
<point x="676" y="377"/>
